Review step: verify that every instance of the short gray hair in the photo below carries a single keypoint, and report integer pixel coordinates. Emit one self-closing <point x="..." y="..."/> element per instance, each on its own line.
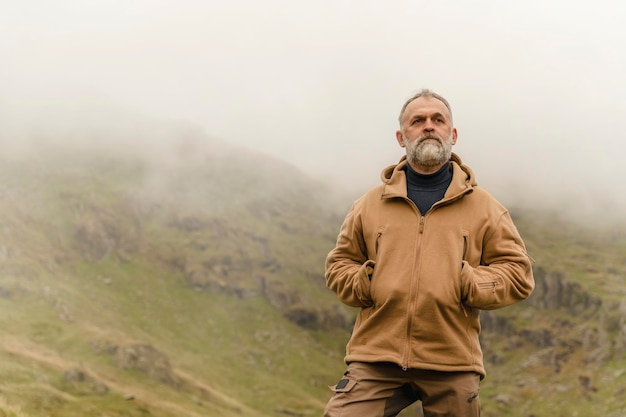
<point x="424" y="93"/>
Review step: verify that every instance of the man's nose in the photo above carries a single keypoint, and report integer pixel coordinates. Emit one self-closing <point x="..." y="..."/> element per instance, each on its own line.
<point x="429" y="126"/>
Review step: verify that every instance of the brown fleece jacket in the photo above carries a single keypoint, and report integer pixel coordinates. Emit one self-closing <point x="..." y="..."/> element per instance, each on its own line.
<point x="421" y="281"/>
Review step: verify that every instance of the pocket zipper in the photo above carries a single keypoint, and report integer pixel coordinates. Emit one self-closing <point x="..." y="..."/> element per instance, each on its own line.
<point x="487" y="285"/>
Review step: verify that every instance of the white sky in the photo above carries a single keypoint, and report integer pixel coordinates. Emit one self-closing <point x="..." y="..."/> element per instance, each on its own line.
<point x="538" y="88"/>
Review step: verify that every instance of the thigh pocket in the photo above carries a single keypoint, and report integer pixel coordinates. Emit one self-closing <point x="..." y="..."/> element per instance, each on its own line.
<point x="344" y="385"/>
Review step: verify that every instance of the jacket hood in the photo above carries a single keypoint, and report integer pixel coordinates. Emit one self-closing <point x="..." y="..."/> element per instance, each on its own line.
<point x="390" y="175"/>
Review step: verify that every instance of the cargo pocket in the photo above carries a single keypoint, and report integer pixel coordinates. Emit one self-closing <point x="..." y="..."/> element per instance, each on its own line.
<point x="341" y="398"/>
<point x="343" y="386"/>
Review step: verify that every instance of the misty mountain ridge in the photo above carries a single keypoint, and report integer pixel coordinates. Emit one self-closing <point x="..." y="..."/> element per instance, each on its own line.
<point x="92" y="121"/>
<point x="185" y="277"/>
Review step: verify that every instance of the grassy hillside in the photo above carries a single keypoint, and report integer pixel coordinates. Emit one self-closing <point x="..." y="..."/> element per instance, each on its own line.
<point x="162" y="285"/>
<point x="186" y="279"/>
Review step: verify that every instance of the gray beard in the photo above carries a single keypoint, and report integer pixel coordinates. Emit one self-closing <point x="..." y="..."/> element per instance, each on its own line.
<point x="426" y="152"/>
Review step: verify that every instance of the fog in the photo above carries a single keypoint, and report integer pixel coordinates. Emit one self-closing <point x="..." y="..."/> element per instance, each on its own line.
<point x="537" y="87"/>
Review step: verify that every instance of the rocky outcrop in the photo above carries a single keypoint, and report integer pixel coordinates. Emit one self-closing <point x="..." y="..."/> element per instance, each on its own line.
<point x="553" y="290"/>
<point x="141" y="357"/>
<point x="144" y="358"/>
<point x="100" y="233"/>
<point x="588" y="325"/>
<point x="81" y="382"/>
<point x="317" y="318"/>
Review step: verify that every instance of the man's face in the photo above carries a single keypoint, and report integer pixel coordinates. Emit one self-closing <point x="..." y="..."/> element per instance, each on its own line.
<point x="427" y="133"/>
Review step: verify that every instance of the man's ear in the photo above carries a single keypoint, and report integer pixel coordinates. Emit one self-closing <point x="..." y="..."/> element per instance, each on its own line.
<point x="454" y="135"/>
<point x="400" y="139"/>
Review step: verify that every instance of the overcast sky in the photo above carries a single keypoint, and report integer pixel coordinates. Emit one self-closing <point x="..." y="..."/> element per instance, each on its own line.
<point x="538" y="88"/>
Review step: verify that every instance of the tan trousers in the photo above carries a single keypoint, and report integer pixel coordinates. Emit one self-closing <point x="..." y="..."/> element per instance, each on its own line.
<point x="383" y="390"/>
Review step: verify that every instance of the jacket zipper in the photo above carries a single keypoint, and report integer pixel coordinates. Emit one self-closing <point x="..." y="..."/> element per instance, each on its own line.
<point x="414" y="290"/>
<point x="412" y="297"/>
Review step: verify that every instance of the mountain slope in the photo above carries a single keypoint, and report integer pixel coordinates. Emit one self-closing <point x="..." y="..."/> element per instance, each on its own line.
<point x="185" y="277"/>
<point x="121" y="280"/>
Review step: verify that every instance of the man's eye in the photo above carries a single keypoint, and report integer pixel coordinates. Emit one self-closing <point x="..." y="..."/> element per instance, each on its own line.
<point x="417" y="121"/>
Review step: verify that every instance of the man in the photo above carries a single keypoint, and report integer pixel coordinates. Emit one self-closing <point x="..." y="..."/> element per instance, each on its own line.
<point x="421" y="255"/>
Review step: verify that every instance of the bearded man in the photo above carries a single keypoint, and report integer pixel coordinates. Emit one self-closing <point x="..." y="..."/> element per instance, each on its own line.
<point x="421" y="255"/>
